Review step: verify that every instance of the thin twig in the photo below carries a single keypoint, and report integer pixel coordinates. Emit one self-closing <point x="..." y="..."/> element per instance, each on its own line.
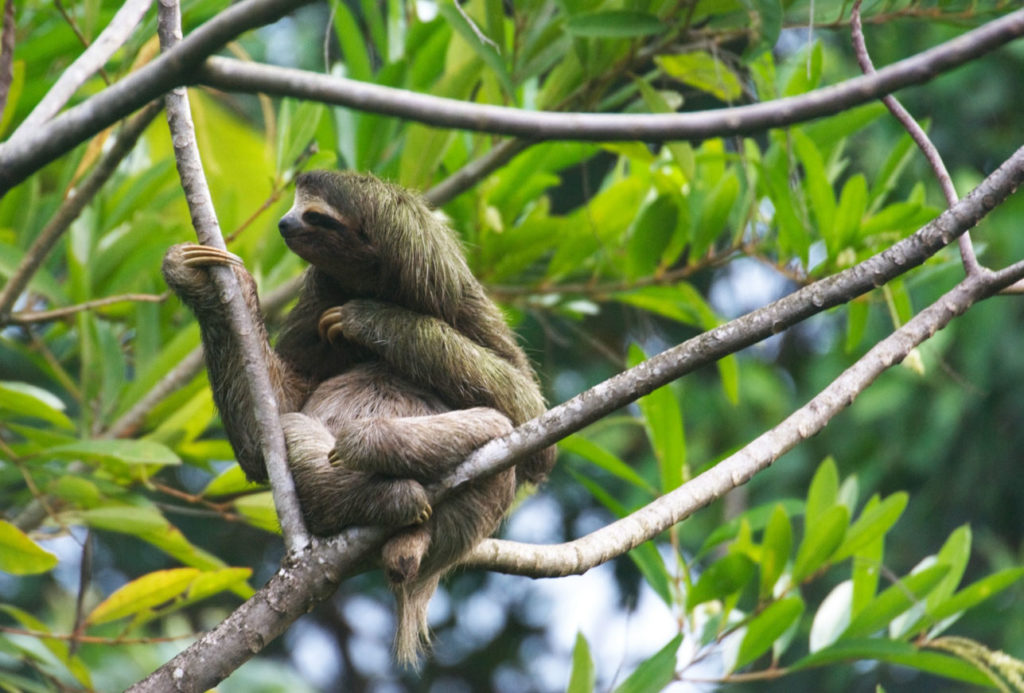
<point x="204" y="219"/>
<point x="920" y="137"/>
<point x="26" y="317"/>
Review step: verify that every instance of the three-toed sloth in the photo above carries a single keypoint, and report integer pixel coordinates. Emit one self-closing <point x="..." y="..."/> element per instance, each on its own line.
<point x="392" y="367"/>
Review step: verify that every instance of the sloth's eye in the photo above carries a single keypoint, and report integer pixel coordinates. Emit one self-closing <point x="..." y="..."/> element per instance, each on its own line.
<point x="323" y="221"/>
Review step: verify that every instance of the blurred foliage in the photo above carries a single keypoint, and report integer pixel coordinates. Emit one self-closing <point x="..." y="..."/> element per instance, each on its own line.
<point x="600" y="253"/>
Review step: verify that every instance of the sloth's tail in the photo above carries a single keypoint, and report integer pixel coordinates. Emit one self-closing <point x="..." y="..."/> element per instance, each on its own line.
<point x="413" y="636"/>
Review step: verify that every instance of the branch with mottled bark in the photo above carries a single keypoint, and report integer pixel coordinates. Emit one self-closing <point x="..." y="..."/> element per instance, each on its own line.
<point x="204" y="219"/>
<point x="235" y="75"/>
<point x="311" y="576"/>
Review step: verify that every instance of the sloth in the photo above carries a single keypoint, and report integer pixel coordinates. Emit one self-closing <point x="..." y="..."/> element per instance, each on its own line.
<point x="391" y="368"/>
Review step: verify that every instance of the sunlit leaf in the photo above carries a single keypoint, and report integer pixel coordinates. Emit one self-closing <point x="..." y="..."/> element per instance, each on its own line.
<point x="703" y="71"/>
<point x="19" y="555"/>
<point x="143" y="594"/>
<point x="124" y="451"/>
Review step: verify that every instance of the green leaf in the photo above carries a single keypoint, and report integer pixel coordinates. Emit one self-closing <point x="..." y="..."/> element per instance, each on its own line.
<point x="486" y="51"/>
<point x="703" y="71"/>
<point x="816" y="183"/>
<point x="142" y="594"/>
<point x="350" y="39"/>
<point x="591" y="451"/>
<point x="614" y="24"/>
<point x="19" y="555"/>
<point x="776" y="545"/>
<point x="582" y="677"/>
<point x="856" y="324"/>
<point x="124" y="451"/>
<point x="897" y="652"/>
<point x="872" y="524"/>
<point x="650" y="235"/>
<point x="229" y="482"/>
<point x="652" y="567"/>
<point x="955" y="553"/>
<point x="976" y="593"/>
<point x="258" y="509"/>
<point x="766" y="627"/>
<point x="806" y="71"/>
<point x="821" y="538"/>
<point x="714" y="213"/>
<point x="654" y="673"/>
<point x="894" y="601"/>
<point x="23" y="399"/>
<point x="853" y="203"/>
<point x="729" y="372"/>
<point x="823" y="492"/>
<point x="757" y="518"/>
<point x="724" y="577"/>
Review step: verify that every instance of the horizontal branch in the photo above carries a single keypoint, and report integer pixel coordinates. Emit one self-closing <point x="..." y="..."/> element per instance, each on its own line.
<point x="235" y="75"/>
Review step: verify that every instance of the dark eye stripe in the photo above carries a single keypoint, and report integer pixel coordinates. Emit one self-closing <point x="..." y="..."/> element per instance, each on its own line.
<point x="323" y="221"/>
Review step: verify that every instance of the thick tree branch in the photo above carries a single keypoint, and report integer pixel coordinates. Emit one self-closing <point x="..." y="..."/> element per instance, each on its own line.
<point x="21" y="157"/>
<point x="94" y="58"/>
<point x="204" y="219"/>
<point x="235" y="75"/>
<point x="312" y="575"/>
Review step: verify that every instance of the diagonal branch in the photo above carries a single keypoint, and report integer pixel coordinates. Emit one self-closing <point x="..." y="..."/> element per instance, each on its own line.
<point x="235" y="75"/>
<point x="578" y="556"/>
<point x="311" y="576"/>
<point x="204" y="219"/>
